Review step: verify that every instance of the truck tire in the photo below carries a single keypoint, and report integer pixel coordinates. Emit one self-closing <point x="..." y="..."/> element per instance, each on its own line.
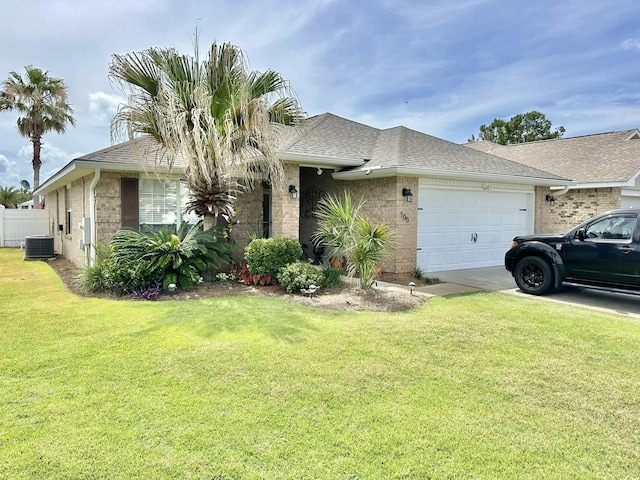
<point x="533" y="275"/>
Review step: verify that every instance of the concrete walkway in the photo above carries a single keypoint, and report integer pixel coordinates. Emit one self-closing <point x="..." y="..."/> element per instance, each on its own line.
<point x="493" y="279"/>
<point x="463" y="281"/>
<point x="498" y="279"/>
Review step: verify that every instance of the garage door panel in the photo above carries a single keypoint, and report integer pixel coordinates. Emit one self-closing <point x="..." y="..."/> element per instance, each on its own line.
<point x="468" y="228"/>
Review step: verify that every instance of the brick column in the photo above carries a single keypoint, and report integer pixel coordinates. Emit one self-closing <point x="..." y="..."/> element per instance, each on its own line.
<point x="286" y="210"/>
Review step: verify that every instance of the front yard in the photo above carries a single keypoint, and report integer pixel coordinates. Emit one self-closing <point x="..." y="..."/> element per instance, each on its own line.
<point x="474" y="386"/>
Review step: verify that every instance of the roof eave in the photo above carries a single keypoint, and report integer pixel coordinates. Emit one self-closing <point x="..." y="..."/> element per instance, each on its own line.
<point x="321" y="160"/>
<point x="80" y="168"/>
<point x="614" y="184"/>
<point x="379" y="172"/>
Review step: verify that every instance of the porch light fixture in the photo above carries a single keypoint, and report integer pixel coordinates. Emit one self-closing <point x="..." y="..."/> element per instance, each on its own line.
<point x="319" y="171"/>
<point x="293" y="191"/>
<point x="406" y="192"/>
<point x="551" y="199"/>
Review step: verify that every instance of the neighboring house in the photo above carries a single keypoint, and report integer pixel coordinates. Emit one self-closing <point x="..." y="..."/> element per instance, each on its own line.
<point x="452" y="207"/>
<point x="604" y="168"/>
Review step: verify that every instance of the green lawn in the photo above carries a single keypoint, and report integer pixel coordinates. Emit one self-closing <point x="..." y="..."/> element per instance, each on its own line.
<point x="477" y="386"/>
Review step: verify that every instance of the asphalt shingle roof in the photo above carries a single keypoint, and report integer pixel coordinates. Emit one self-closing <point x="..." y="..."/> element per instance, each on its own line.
<point x="142" y="151"/>
<point x="329" y="136"/>
<point x="598" y="158"/>
<point x="333" y="136"/>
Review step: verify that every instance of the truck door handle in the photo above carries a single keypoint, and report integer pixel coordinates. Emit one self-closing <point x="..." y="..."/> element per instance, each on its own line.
<point x="625" y="249"/>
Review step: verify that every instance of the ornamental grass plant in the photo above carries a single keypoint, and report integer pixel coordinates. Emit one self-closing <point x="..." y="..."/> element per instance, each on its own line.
<point x="346" y="234"/>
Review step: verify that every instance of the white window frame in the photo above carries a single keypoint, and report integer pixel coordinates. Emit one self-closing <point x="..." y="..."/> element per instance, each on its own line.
<point x="161" y="203"/>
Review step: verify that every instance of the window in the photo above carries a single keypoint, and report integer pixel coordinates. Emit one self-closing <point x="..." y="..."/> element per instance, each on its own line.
<point x="190" y="217"/>
<point x="67" y="206"/>
<point x="148" y="203"/>
<point x="617" y="228"/>
<point x="158" y="202"/>
<point x="163" y="202"/>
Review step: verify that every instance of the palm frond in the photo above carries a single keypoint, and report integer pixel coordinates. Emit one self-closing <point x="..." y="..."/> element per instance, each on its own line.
<point x="214" y="113"/>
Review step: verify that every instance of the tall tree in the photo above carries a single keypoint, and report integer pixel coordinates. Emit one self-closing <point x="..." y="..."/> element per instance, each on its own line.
<point x="524" y="127"/>
<point x="213" y="113"/>
<point x="42" y="103"/>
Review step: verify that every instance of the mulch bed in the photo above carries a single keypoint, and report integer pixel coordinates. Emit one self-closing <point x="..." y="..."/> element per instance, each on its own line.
<point x="346" y="297"/>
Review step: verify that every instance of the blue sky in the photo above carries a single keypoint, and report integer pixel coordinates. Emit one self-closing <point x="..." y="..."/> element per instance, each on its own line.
<point x="440" y="67"/>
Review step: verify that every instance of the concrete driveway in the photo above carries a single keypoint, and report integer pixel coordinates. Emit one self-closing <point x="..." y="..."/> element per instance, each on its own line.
<point x="500" y="280"/>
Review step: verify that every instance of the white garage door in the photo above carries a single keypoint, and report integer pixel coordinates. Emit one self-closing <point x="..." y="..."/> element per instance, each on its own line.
<point x="627" y="201"/>
<point x="469" y="228"/>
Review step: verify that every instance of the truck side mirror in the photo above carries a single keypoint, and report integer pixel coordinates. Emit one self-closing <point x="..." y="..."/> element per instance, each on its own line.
<point x="582" y="234"/>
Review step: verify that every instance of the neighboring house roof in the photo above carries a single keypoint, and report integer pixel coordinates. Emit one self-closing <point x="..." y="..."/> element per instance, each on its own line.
<point x="354" y="150"/>
<point x="603" y="159"/>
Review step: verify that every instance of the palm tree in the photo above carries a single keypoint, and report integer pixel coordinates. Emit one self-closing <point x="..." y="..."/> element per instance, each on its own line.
<point x="41" y="101"/>
<point x="217" y="116"/>
<point x="11" y="197"/>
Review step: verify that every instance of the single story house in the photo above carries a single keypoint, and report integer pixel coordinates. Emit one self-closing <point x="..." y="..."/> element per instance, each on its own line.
<point x="451" y="207"/>
<point x="604" y="168"/>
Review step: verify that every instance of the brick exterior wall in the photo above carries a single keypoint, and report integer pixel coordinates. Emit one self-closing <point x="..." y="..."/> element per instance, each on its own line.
<point x="384" y="203"/>
<point x="294" y="218"/>
<point x="108" y="204"/>
<point x="572" y="208"/>
<point x="286" y="221"/>
<point x="56" y="217"/>
<point x="70" y="245"/>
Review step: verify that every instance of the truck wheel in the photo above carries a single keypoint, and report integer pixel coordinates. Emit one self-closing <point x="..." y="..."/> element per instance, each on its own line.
<point x="533" y="275"/>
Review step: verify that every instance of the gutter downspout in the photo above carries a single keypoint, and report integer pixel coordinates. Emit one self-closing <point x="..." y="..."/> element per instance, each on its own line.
<point x="92" y="210"/>
<point x="560" y="192"/>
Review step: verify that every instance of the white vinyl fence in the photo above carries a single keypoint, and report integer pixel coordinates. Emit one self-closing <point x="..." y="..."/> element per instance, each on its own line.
<point x="18" y="223"/>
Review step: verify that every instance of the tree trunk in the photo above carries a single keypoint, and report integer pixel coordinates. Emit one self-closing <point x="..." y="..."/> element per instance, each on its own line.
<point x="36" y="163"/>
<point x="209" y="220"/>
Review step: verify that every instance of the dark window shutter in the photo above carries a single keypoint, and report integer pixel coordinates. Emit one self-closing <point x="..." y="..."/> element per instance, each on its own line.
<point x="129" y="208"/>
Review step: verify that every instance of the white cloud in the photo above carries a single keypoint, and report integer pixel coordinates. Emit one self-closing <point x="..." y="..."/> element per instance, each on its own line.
<point x="104" y="105"/>
<point x="53" y="159"/>
<point x="631" y="44"/>
<point x="49" y="153"/>
<point x="10" y="174"/>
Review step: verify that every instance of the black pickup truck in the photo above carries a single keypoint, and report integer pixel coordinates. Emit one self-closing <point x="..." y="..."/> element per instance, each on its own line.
<point x="602" y="253"/>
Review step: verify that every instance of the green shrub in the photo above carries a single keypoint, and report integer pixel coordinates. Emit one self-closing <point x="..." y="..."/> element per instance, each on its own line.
<point x="296" y="276"/>
<point x="331" y="276"/>
<point x="267" y="256"/>
<point x="138" y="261"/>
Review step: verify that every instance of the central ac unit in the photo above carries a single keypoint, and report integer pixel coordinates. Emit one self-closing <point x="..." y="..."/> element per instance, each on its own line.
<point x="38" y="246"/>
